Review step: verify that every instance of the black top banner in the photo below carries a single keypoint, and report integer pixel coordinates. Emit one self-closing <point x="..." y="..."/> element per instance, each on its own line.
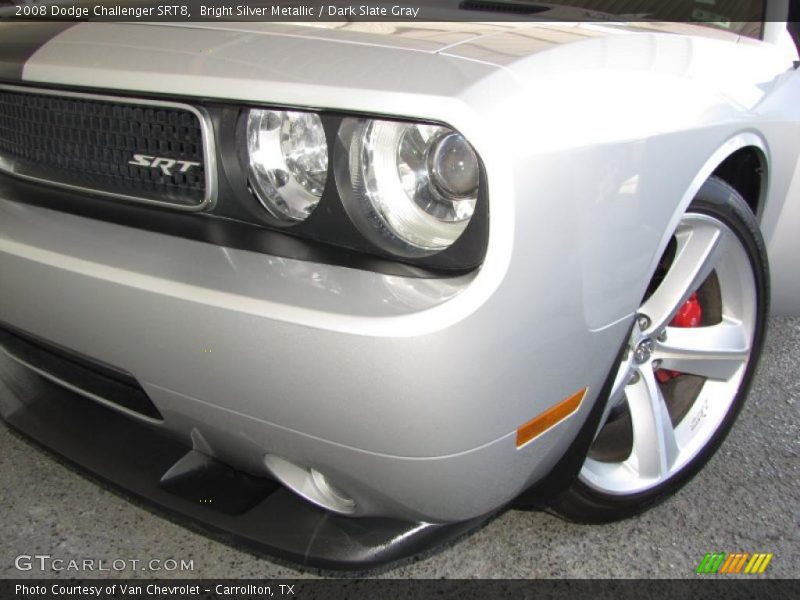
<point x="725" y="14"/>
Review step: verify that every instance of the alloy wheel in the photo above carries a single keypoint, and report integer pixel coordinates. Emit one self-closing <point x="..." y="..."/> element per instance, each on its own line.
<point x="676" y="384"/>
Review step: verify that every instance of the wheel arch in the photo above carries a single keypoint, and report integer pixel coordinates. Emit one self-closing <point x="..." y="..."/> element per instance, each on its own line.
<point x="747" y="171"/>
<point x="730" y="154"/>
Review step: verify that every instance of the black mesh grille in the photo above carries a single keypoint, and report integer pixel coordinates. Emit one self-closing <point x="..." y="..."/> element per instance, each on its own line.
<point x="90" y="143"/>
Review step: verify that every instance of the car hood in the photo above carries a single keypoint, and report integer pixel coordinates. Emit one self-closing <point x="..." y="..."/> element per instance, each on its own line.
<point x="434" y="70"/>
<point x="418" y="37"/>
<point x="492" y="43"/>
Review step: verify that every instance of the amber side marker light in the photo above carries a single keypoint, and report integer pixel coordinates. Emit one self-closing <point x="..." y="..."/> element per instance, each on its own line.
<point x="549" y="418"/>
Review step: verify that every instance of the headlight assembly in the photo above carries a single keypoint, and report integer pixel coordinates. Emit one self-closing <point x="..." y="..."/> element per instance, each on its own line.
<point x="287" y="162"/>
<point x="389" y="195"/>
<point x="410" y="188"/>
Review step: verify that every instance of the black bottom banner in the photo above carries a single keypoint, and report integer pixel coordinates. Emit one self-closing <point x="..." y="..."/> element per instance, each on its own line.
<point x="395" y="589"/>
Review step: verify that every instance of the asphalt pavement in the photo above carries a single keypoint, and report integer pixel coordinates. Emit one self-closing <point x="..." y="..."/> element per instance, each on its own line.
<point x="745" y="500"/>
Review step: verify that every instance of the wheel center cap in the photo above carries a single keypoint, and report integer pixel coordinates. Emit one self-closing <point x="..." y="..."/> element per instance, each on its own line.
<point x="643" y="351"/>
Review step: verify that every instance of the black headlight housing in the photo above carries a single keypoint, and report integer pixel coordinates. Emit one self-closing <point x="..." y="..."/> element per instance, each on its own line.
<point x="330" y="223"/>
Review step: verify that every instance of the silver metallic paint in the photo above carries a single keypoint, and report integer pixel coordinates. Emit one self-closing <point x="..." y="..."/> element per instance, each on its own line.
<point x="407" y="393"/>
<point x="320" y="397"/>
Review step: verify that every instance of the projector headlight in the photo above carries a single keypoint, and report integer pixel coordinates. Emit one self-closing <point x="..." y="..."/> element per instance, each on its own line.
<point x="287" y="156"/>
<point x="411" y="188"/>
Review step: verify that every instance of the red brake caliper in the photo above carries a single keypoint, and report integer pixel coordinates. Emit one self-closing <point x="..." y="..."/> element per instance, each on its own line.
<point x="689" y="315"/>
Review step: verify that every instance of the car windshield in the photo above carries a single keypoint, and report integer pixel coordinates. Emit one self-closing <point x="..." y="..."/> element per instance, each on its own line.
<point x="738" y="16"/>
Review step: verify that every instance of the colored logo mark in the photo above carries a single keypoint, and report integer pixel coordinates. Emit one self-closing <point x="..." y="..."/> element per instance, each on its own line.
<point x="738" y="562"/>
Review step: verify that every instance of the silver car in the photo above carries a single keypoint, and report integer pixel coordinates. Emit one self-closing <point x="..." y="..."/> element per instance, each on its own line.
<point x="344" y="289"/>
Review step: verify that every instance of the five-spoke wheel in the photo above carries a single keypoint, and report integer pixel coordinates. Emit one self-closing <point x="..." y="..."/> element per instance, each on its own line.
<point x="689" y="359"/>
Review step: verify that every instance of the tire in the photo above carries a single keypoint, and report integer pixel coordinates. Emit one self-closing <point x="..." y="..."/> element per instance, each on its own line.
<point x="635" y="462"/>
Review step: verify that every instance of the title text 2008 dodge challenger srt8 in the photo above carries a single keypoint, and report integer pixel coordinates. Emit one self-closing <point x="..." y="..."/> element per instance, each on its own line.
<point x="344" y="290"/>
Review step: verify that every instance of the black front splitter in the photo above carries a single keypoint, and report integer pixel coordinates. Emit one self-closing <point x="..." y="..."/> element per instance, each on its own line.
<point x="234" y="506"/>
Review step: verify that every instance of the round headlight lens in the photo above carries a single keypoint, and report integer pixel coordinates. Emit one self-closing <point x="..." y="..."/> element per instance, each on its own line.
<point x="454" y="166"/>
<point x="410" y="187"/>
<point x="287" y="161"/>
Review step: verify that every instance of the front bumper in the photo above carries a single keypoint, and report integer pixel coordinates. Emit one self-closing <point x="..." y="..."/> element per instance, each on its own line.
<point x="227" y="503"/>
<point x="405" y="393"/>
